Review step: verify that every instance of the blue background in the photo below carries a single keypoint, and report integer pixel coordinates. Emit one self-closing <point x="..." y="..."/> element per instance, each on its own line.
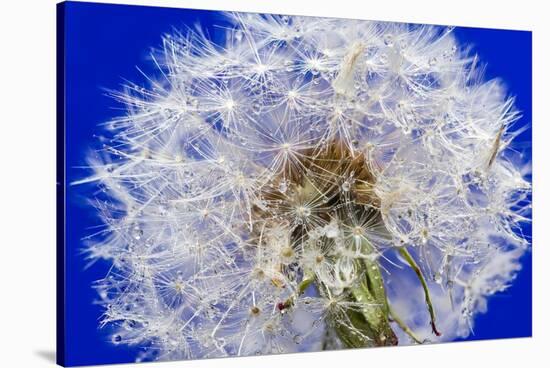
<point x="104" y="43"/>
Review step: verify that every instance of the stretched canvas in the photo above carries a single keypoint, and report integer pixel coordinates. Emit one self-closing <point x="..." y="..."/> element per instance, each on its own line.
<point x="235" y="184"/>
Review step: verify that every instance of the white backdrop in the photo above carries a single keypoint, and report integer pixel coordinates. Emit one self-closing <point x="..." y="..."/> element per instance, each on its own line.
<point x="27" y="180"/>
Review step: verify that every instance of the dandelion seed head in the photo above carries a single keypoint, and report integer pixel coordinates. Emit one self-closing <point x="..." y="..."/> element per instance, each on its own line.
<point x="253" y="188"/>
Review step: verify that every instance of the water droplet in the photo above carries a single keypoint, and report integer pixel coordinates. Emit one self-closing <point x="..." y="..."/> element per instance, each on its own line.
<point x="116" y="339"/>
<point x="283" y="186"/>
<point x="129" y="325"/>
<point x="238" y="35"/>
<point x="137" y="233"/>
<point x="388" y="40"/>
<point x="256" y="108"/>
<point x="346" y="186"/>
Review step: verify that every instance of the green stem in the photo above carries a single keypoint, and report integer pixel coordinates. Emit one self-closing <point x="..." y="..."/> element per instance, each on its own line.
<point x="308" y="280"/>
<point x="412" y="263"/>
<point x="305" y="284"/>
<point x="368" y="325"/>
<point x="403" y="325"/>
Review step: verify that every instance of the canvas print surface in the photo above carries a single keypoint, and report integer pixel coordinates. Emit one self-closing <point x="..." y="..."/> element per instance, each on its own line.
<point x="236" y="184"/>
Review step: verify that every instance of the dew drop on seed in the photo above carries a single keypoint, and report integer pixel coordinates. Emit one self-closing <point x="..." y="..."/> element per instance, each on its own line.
<point x="283" y="186"/>
<point x="137" y="233"/>
<point x="238" y="35"/>
<point x="346" y="186"/>
<point x="256" y="108"/>
<point x="116" y="339"/>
